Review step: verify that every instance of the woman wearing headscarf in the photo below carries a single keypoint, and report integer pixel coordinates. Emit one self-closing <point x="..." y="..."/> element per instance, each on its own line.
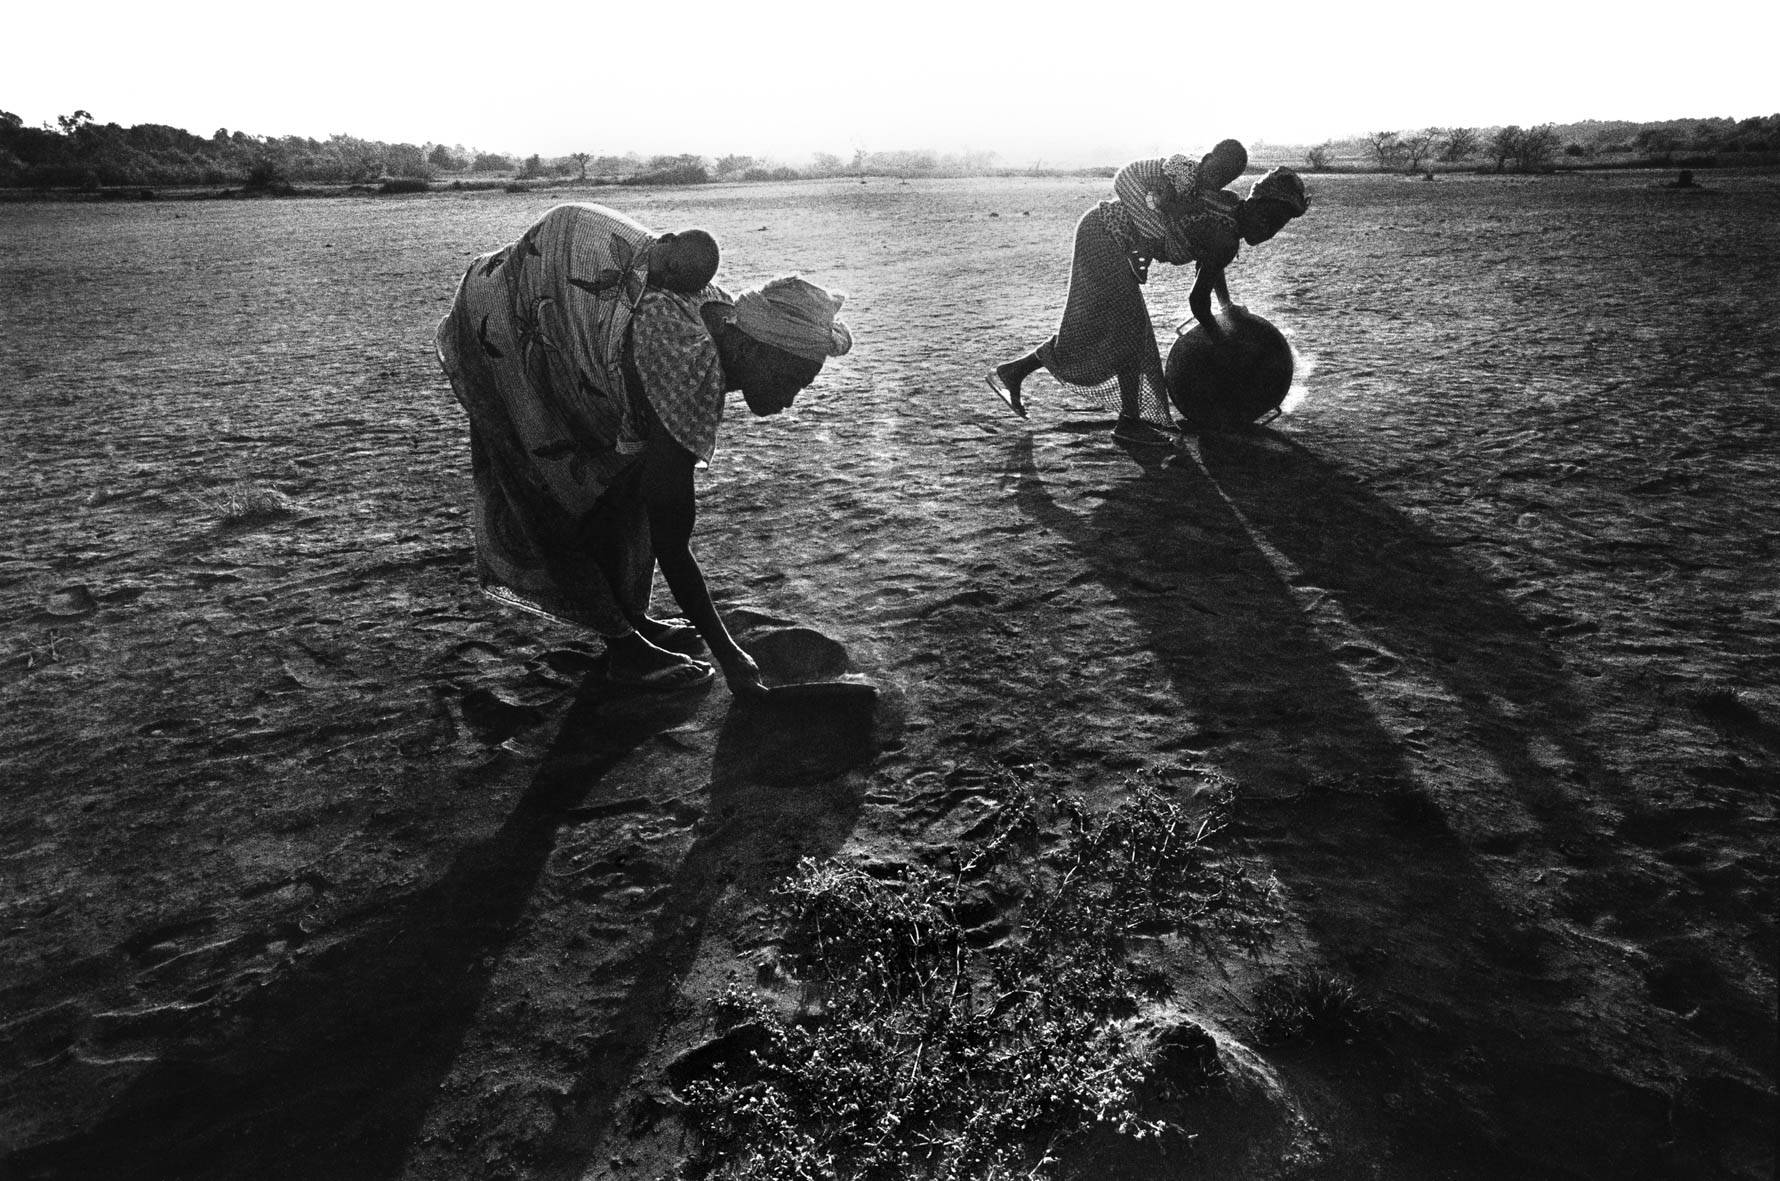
<point x="594" y="389"/>
<point x="1173" y="209"/>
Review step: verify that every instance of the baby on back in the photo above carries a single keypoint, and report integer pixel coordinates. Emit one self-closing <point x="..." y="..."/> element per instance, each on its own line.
<point x="683" y="263"/>
<point x="1222" y="165"/>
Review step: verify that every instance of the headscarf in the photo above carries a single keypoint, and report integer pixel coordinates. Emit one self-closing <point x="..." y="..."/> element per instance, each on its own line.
<point x="1283" y="185"/>
<point x="794" y="314"/>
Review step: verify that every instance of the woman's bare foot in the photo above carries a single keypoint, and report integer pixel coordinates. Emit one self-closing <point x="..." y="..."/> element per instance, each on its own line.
<point x="631" y="660"/>
<point x="1132" y="429"/>
<point x="1005" y="380"/>
<point x="676" y="635"/>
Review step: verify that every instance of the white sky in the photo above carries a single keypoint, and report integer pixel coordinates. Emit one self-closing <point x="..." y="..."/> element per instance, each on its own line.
<point x="1027" y="80"/>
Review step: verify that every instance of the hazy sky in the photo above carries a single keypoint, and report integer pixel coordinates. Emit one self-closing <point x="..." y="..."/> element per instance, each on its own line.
<point x="1027" y="80"/>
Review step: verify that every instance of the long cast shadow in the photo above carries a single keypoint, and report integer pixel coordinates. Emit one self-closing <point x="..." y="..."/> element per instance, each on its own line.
<point x="1227" y="566"/>
<point x="328" y="1070"/>
<point x="780" y="791"/>
<point x="1404" y="587"/>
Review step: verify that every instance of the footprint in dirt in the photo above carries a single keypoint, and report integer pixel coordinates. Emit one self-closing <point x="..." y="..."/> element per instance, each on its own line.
<point x="70" y="602"/>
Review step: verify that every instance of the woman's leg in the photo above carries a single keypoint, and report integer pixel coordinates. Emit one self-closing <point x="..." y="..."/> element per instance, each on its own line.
<point x="632" y="660"/>
<point x="1130" y="392"/>
<point x="1133" y="425"/>
<point x="1012" y="373"/>
<point x="616" y="533"/>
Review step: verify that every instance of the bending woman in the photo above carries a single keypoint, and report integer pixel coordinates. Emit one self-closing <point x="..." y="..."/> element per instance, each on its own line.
<point x="1178" y="211"/>
<point x="594" y="387"/>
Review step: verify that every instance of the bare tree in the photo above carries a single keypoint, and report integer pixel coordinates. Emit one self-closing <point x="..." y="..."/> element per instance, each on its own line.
<point x="1418" y="145"/>
<point x="1461" y="143"/>
<point x="1387" y="149"/>
<point x="1317" y="159"/>
<point x="1504" y="145"/>
<point x="581" y="159"/>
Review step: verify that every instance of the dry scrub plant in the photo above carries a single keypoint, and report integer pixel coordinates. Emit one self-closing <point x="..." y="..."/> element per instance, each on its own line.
<point x="244" y="503"/>
<point x="970" y="1023"/>
<point x="1309" y="1005"/>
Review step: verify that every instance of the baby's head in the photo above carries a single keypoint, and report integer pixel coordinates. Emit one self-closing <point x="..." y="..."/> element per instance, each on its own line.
<point x="1222" y="164"/>
<point x="684" y="263"/>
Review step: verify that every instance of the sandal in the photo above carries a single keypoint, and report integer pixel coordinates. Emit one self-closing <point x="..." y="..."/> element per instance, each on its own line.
<point x="1013" y="400"/>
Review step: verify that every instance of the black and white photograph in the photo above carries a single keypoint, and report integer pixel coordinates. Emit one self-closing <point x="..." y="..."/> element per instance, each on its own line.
<point x="927" y="592"/>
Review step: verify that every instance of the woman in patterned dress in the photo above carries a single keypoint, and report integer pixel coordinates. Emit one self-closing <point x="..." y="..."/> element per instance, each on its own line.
<point x="593" y="364"/>
<point x="1174" y="209"/>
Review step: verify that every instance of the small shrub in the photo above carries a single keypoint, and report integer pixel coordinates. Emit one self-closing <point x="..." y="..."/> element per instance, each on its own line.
<point x="682" y="174"/>
<point x="921" y="1051"/>
<point x="1309" y="1006"/>
<point x="267" y="175"/>
<point x="253" y="504"/>
<point x="405" y="184"/>
<point x="1723" y="704"/>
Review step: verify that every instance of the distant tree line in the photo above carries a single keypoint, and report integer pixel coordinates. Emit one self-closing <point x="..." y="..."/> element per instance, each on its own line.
<point x="1538" y="149"/>
<point x="79" y="152"/>
<point x="76" y="151"/>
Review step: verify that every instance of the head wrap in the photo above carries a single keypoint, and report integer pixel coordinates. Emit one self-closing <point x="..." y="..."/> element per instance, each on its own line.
<point x="1283" y="185"/>
<point x="795" y="315"/>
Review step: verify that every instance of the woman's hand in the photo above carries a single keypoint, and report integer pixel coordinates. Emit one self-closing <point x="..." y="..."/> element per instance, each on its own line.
<point x="743" y="676"/>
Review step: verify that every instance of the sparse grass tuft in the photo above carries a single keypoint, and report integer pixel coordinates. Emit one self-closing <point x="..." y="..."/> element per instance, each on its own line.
<point x="1309" y="1006"/>
<point x="247" y="503"/>
<point x="53" y="648"/>
<point x="1725" y="706"/>
<point x="924" y="1047"/>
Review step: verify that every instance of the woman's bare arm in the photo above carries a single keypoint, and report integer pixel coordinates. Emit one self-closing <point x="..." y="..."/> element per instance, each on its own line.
<point x="668" y="493"/>
<point x="1209" y="279"/>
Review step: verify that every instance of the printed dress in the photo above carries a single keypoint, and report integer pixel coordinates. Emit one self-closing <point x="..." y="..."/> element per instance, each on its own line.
<point x="535" y="347"/>
<point x="1106" y="329"/>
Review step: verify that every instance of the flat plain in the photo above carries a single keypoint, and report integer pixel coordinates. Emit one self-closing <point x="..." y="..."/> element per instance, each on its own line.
<point x="315" y="864"/>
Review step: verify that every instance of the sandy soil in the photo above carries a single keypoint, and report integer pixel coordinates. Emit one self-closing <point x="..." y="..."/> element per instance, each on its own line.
<point x="317" y="865"/>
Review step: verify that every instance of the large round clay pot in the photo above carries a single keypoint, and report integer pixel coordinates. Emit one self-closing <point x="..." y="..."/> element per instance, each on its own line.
<point x="1231" y="381"/>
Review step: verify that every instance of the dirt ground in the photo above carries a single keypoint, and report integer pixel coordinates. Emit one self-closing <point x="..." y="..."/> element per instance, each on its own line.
<point x="315" y="864"/>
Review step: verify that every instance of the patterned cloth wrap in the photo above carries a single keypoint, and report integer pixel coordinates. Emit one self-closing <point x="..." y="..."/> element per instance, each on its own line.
<point x="1204" y="228"/>
<point x="1106" y="328"/>
<point x="536" y="345"/>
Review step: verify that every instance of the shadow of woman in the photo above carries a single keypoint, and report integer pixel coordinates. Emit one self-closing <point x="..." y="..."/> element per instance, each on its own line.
<point x="326" y="1067"/>
<point x="782" y="788"/>
<point x="1239" y="568"/>
<point x="1411" y="607"/>
<point x="1257" y="686"/>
